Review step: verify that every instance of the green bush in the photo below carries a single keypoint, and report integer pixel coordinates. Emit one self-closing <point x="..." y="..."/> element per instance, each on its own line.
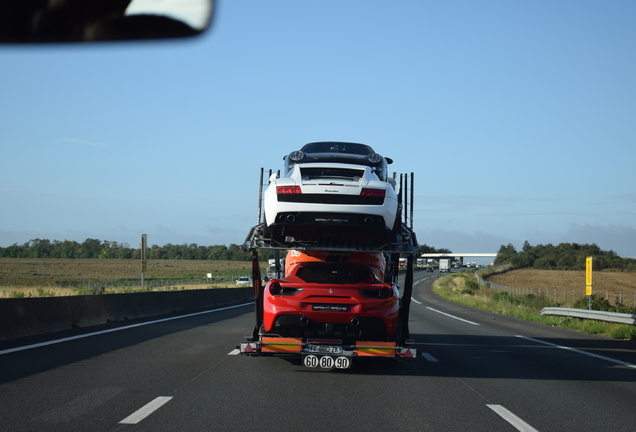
<point x="472" y="285"/>
<point x="623" y="331"/>
<point x="601" y="304"/>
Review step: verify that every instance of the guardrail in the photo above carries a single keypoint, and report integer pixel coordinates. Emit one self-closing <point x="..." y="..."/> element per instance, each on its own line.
<point x="621" y="318"/>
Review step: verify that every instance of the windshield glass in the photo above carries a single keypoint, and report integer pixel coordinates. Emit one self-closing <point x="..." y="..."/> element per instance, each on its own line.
<point x="337" y="147"/>
<point x="333" y="273"/>
<point x="331" y="173"/>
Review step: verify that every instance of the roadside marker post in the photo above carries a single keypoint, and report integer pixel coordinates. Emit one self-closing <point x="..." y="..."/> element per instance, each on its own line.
<point x="588" y="281"/>
<point x="144" y="263"/>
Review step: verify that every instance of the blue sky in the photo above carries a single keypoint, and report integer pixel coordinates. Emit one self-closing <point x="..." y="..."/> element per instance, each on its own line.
<point x="518" y="119"/>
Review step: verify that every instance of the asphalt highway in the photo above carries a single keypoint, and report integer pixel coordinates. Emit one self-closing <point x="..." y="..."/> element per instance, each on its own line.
<point x="476" y="371"/>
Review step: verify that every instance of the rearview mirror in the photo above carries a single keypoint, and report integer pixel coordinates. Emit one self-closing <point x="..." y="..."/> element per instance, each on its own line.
<point x="33" y="21"/>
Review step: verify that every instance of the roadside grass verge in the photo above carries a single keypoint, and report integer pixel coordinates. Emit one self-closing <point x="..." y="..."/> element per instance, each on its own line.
<point x="462" y="288"/>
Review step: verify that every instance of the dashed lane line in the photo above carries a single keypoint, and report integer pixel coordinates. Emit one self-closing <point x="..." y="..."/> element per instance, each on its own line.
<point x="146" y="410"/>
<point x="430" y="358"/>
<point x="508" y="416"/>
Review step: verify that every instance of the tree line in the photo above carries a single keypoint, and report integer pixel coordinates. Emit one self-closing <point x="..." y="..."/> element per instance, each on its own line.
<point x="98" y="249"/>
<point x="565" y="256"/>
<point x="423" y="248"/>
<point x="104" y="249"/>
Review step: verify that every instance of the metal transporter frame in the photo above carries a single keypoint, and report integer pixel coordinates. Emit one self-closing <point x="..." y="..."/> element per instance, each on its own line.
<point x="404" y="243"/>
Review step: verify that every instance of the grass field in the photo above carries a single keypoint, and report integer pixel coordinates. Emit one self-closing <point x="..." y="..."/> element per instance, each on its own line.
<point x="54" y="277"/>
<point x="609" y="285"/>
<point x="463" y="288"/>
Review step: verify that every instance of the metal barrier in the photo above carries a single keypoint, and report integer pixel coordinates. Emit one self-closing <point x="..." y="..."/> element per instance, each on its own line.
<point x="620" y="318"/>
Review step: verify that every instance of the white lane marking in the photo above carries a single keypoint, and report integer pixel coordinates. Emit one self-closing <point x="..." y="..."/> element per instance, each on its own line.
<point x="56" y="341"/>
<point x="235" y="351"/>
<point x="412" y="299"/>
<point x="429" y="357"/>
<point x="515" y="421"/>
<point x="146" y="410"/>
<point x="620" y="362"/>
<point x="452" y="316"/>
<point x="423" y="280"/>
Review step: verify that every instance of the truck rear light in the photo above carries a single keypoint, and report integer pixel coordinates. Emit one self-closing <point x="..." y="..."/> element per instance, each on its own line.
<point x="373" y="192"/>
<point x="288" y="190"/>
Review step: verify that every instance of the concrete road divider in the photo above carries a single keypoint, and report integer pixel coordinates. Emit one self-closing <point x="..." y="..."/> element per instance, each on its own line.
<point x="30" y="316"/>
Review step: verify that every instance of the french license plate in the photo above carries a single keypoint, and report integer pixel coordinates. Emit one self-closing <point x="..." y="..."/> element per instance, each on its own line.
<point x="324" y="349"/>
<point x="330" y="308"/>
<point x="326" y="361"/>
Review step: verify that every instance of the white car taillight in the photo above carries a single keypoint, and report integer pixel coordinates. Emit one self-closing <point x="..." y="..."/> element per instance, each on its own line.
<point x="373" y="192"/>
<point x="288" y="190"/>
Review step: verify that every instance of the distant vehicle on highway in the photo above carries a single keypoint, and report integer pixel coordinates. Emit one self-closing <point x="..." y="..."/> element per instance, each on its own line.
<point x="444" y="265"/>
<point x="244" y="280"/>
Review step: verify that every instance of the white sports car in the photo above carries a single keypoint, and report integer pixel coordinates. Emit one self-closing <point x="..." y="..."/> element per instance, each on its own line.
<point x="339" y="152"/>
<point x="330" y="203"/>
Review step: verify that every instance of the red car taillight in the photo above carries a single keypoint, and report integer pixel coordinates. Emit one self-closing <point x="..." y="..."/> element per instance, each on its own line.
<point x="373" y="192"/>
<point x="275" y="288"/>
<point x="288" y="190"/>
<point x="386" y="292"/>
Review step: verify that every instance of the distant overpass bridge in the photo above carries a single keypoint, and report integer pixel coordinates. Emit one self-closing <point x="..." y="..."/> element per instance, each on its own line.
<point x="460" y="256"/>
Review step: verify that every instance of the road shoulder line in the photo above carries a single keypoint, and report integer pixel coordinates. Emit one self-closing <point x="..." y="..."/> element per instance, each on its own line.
<point x="609" y="359"/>
<point x="82" y="336"/>
<point x="452" y="316"/>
